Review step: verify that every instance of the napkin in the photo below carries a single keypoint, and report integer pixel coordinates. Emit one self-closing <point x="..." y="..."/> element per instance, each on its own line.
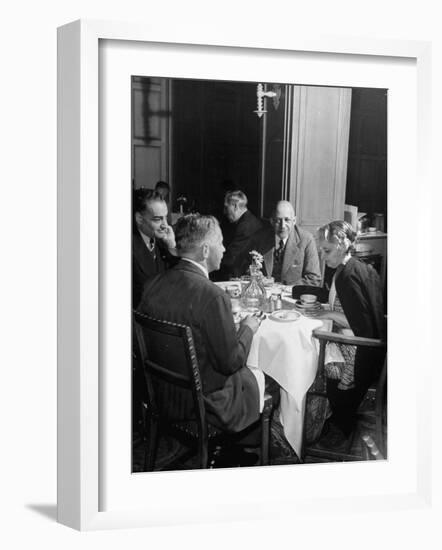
<point x="260" y="379"/>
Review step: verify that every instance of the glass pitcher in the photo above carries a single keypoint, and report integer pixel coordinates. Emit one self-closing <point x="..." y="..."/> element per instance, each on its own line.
<point x="254" y="295"/>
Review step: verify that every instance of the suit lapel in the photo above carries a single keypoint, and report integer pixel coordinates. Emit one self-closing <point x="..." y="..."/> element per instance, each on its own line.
<point x="268" y="261"/>
<point x="289" y="254"/>
<point x="143" y="256"/>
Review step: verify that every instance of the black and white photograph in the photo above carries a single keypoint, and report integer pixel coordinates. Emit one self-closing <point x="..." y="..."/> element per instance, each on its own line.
<point x="259" y="273"/>
<point x="211" y="214"/>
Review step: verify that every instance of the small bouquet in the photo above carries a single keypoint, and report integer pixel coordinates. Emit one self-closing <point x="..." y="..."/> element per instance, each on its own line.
<point x="257" y="259"/>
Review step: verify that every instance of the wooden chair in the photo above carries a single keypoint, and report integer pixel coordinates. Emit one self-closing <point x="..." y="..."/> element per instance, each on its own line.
<point x="373" y="408"/>
<point x="174" y="393"/>
<point x="370" y="449"/>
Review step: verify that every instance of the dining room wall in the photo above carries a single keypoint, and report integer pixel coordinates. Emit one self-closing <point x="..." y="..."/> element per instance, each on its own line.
<point x="204" y="138"/>
<point x="367" y="154"/>
<point x="215" y="144"/>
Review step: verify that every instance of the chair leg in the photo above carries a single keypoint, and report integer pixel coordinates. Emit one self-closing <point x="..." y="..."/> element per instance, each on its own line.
<point x="151" y="446"/>
<point x="354" y="436"/>
<point x="265" y="439"/>
<point x="203" y="452"/>
<point x="214" y="456"/>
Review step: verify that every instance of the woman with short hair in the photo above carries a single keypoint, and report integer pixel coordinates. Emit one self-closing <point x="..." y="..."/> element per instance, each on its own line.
<point x="356" y="307"/>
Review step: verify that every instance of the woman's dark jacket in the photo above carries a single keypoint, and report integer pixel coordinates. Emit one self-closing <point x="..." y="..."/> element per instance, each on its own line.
<point x="359" y="290"/>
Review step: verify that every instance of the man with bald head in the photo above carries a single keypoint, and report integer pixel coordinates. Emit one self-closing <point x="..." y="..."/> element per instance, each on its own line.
<point x="293" y="260"/>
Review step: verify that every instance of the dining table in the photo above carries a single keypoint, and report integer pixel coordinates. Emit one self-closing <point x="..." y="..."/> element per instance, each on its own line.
<point x="285" y="349"/>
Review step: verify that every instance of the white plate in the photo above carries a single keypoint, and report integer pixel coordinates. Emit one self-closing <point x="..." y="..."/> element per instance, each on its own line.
<point x="285" y="315"/>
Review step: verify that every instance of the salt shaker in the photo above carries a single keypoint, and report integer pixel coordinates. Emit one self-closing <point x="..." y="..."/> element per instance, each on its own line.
<point x="276" y="301"/>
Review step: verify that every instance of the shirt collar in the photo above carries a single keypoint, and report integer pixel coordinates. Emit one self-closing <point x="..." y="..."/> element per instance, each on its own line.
<point x="345" y="260"/>
<point x="277" y="240"/>
<point x="201" y="267"/>
<point x="148" y="241"/>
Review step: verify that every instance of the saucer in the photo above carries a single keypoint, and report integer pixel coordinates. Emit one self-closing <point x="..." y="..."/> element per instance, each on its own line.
<point x="285" y="315"/>
<point x="315" y="305"/>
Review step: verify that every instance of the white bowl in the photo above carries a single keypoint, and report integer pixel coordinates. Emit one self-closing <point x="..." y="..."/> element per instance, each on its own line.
<point x="308" y="298"/>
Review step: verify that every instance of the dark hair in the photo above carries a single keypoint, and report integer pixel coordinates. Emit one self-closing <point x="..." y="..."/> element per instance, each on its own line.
<point x="162" y="184"/>
<point x="191" y="230"/>
<point x="142" y="196"/>
<point x="336" y="232"/>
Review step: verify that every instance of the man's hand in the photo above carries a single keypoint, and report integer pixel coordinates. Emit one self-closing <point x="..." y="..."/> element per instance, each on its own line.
<point x="252" y="321"/>
<point x="169" y="238"/>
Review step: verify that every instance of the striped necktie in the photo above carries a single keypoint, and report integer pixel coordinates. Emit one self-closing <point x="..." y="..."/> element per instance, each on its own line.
<point x="152" y="247"/>
<point x="278" y="255"/>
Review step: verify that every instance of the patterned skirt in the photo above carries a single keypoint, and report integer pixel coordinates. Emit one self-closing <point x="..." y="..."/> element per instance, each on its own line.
<point x="317" y="406"/>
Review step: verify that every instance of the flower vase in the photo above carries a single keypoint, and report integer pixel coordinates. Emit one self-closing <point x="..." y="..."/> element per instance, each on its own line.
<point x="254" y="295"/>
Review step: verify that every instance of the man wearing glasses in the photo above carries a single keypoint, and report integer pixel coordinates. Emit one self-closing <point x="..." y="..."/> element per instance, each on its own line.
<point x="294" y="259"/>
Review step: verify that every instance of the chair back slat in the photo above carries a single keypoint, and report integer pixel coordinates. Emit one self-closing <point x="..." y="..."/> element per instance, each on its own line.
<point x="171" y="370"/>
<point x="161" y="373"/>
<point x="175" y="396"/>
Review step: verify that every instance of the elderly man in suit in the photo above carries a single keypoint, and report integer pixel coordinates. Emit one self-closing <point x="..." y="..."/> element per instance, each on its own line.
<point x="153" y="241"/>
<point x="241" y="235"/>
<point x="293" y="259"/>
<point x="184" y="294"/>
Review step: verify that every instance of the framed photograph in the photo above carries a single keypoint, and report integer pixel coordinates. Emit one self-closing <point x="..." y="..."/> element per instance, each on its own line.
<point x="109" y="74"/>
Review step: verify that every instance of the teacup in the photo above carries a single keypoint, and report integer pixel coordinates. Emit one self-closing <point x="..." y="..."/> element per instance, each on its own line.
<point x="308" y="299"/>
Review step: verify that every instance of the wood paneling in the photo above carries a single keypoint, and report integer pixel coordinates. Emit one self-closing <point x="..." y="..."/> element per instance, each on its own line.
<point x="367" y="162"/>
<point x="215" y="142"/>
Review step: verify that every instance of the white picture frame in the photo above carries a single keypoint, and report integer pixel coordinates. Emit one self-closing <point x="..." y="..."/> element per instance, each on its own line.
<point x="80" y="297"/>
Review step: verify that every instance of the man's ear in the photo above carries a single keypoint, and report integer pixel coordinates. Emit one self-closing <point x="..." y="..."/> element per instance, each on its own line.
<point x="205" y="251"/>
<point x="138" y="218"/>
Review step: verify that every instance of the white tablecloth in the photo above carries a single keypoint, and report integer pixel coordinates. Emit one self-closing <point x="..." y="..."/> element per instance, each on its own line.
<point x="287" y="353"/>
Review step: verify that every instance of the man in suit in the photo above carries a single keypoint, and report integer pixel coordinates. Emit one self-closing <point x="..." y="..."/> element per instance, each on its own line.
<point x="184" y="294"/>
<point x="153" y="246"/>
<point x="242" y="236"/>
<point x="153" y="241"/>
<point x="293" y="259"/>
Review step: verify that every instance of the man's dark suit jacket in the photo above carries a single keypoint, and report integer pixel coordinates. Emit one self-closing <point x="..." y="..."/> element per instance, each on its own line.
<point x="244" y="238"/>
<point x="184" y="295"/>
<point x="145" y="264"/>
